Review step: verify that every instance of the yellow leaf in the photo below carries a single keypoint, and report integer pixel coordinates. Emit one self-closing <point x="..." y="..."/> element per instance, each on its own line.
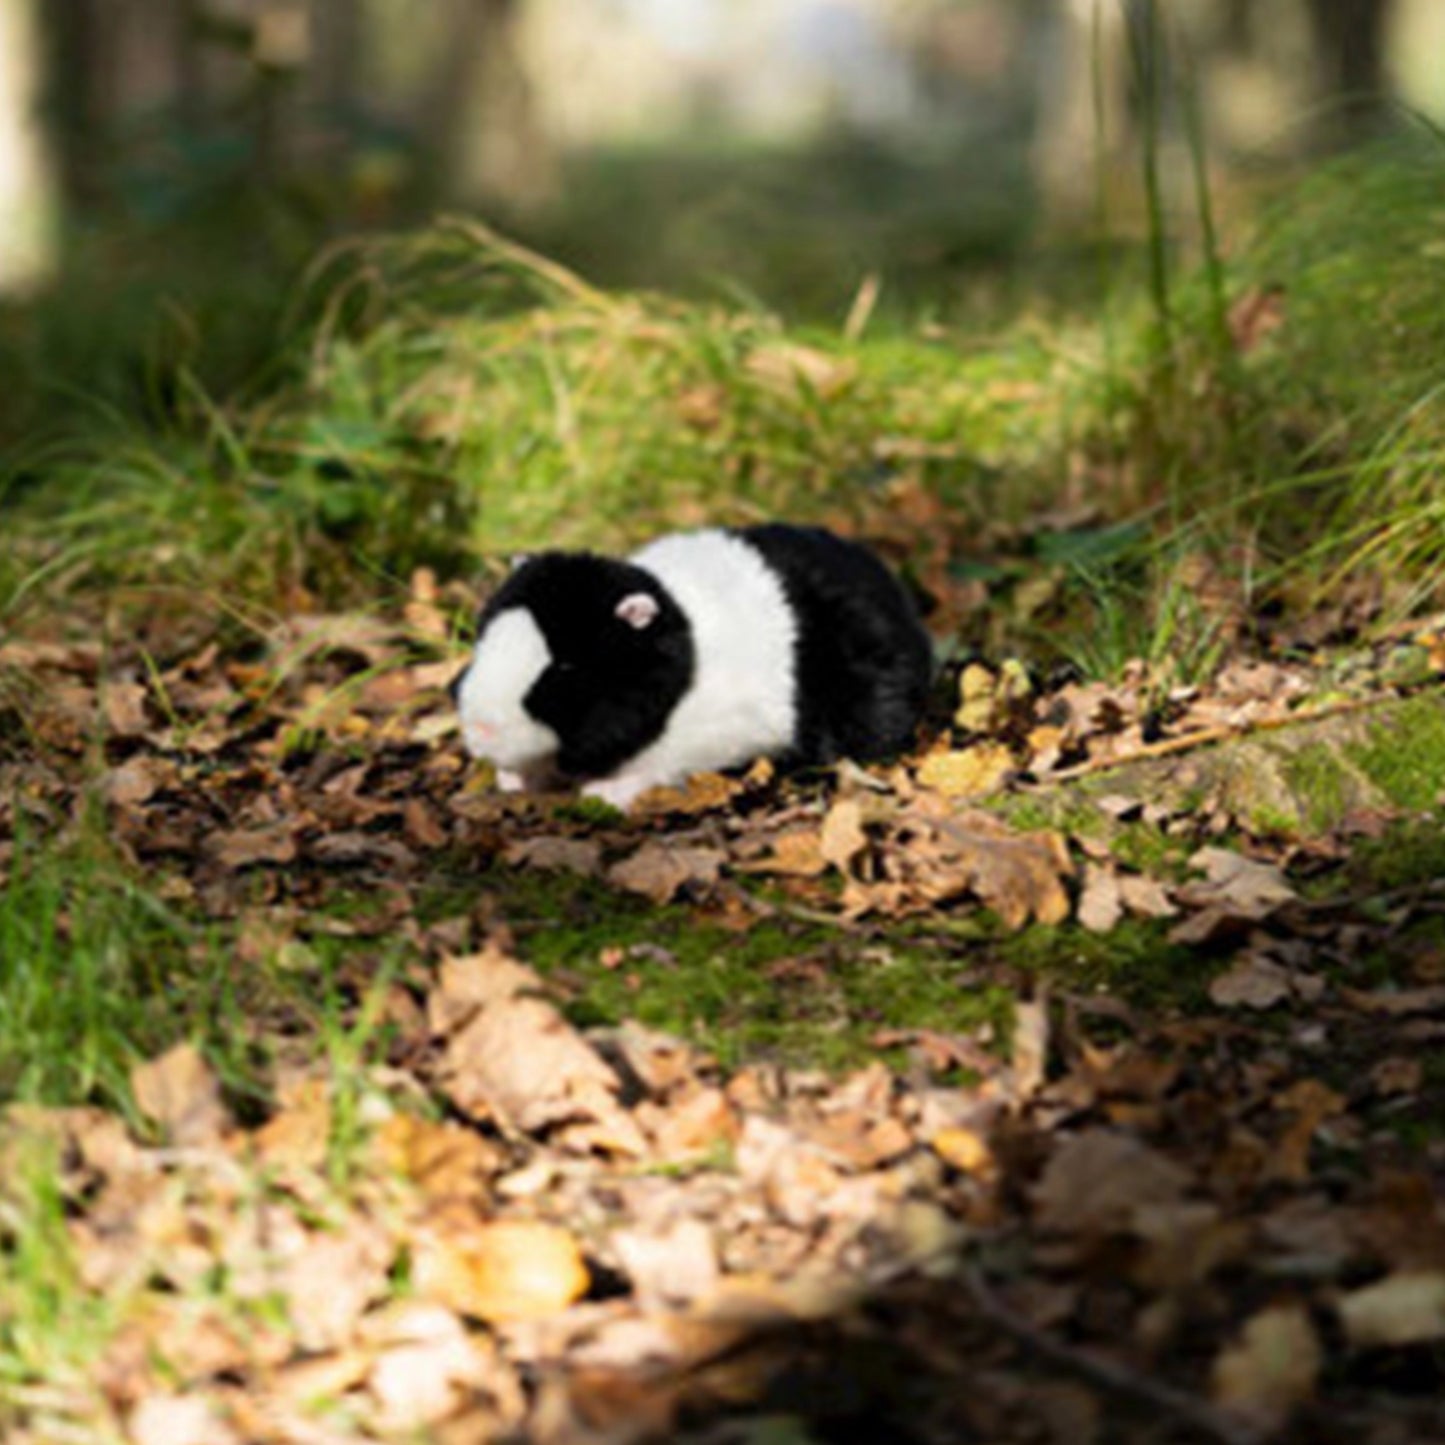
<point x="969" y="773"/>
<point x="514" y="1269"/>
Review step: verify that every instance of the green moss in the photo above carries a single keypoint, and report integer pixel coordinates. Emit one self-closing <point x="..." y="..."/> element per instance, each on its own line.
<point x="1148" y="849"/>
<point x="1133" y="960"/>
<point x="1318" y="778"/>
<point x="1405" y="758"/>
<point x="795" y="992"/>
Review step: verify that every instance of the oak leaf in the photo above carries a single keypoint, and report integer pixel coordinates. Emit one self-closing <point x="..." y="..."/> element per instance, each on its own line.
<point x="660" y="871"/>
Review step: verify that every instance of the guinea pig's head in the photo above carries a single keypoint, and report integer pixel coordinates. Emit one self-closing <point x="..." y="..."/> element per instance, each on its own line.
<point x="579" y="661"/>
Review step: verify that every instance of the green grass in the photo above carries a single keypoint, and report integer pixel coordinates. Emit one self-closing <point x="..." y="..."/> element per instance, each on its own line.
<point x="96" y="973"/>
<point x="788" y="991"/>
<point x="51" y="1327"/>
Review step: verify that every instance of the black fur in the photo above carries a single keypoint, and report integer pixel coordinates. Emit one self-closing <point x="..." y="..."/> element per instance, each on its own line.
<point x="610" y="688"/>
<point x="864" y="662"/>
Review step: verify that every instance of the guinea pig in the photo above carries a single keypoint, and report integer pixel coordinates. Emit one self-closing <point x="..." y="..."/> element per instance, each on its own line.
<point x="702" y="651"/>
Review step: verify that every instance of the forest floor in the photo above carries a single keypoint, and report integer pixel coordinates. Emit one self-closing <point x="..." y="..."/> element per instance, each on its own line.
<point x="1077" y="1076"/>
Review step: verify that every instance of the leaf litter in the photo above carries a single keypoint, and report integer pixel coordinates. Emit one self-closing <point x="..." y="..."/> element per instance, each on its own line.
<point x="1111" y="1223"/>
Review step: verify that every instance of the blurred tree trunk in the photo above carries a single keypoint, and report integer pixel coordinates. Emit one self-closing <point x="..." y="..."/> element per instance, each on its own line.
<point x="28" y="189"/>
<point x="340" y="48"/>
<point x="480" y="131"/>
<point x="1349" y="38"/>
<point x="76" y="35"/>
<point x="187" y="67"/>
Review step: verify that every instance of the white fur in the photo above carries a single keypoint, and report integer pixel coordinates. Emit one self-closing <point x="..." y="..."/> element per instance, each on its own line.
<point x="740" y="704"/>
<point x="511" y="654"/>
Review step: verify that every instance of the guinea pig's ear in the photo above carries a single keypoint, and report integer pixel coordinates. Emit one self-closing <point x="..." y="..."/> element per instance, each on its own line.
<point x="638" y="610"/>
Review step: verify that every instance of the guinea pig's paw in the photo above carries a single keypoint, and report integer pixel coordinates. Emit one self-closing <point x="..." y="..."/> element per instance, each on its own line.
<point x="510" y="782"/>
<point x="621" y="791"/>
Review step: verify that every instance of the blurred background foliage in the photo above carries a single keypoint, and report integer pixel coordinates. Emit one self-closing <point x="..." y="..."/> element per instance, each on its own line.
<point x="187" y="156"/>
<point x="1002" y="257"/>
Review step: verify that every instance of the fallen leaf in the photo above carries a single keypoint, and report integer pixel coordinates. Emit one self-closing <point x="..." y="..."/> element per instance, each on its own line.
<point x="1397" y="1002"/>
<point x="1246" y="886"/>
<point x="509" y="1270"/>
<point x="1030" y="1051"/>
<point x="671" y="1266"/>
<point x="969" y="772"/>
<point x="1018" y="875"/>
<point x="1311" y="1103"/>
<point x="582" y="856"/>
<point x="660" y="871"/>
<point x="797" y="853"/>
<point x="1095" y="1181"/>
<point x="1252" y="981"/>
<point x="428" y="1365"/>
<point x="1272" y="1367"/>
<point x="788" y="367"/>
<point x="977" y="690"/>
<point x="1145" y="897"/>
<point x="179" y="1420"/>
<point x="242" y="847"/>
<point x="965" y="1150"/>
<point x="443" y="1159"/>
<point x="517" y="1060"/>
<point x="701" y="793"/>
<point x="1101" y="901"/>
<point x="1397" y="1075"/>
<point x="843" y="837"/>
<point x="1407" y="1308"/>
<point x="180" y="1092"/>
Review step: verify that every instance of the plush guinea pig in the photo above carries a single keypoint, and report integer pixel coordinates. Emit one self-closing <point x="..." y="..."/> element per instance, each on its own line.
<point x="701" y="651"/>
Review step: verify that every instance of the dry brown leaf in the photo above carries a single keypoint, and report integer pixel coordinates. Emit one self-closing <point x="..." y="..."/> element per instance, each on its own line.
<point x="671" y="1266"/>
<point x="328" y="1283"/>
<point x="1407" y="1308"/>
<point x="1243" y="885"/>
<point x="660" y="871"/>
<point x="137" y="780"/>
<point x="968" y="773"/>
<point x="165" y="1419"/>
<point x="1397" y="1002"/>
<point x="1101" y="901"/>
<point x="843" y="837"/>
<point x="1146" y="897"/>
<point x="1312" y="1103"/>
<point x="445" y="1160"/>
<point x="582" y="856"/>
<point x="298" y="1135"/>
<point x="512" y="1269"/>
<point x="1094" y="1182"/>
<point x="695" y="1125"/>
<point x="787" y="367"/>
<point x="1252" y="981"/>
<point x="427" y="1367"/>
<point x="1030" y="1051"/>
<point x="1397" y="1075"/>
<point x="242" y="847"/>
<point x="966" y="1150"/>
<point x="797" y="853"/>
<point x="701" y="793"/>
<point x="517" y="1060"/>
<point x="1018" y="875"/>
<point x="1272" y="1367"/>
<point x="180" y="1092"/>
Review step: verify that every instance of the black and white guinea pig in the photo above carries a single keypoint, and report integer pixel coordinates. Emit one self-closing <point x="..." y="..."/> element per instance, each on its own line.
<point x="702" y="651"/>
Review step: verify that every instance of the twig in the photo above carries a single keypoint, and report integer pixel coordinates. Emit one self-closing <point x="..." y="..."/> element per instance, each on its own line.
<point x="1222" y="732"/>
<point x="1199" y="1415"/>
